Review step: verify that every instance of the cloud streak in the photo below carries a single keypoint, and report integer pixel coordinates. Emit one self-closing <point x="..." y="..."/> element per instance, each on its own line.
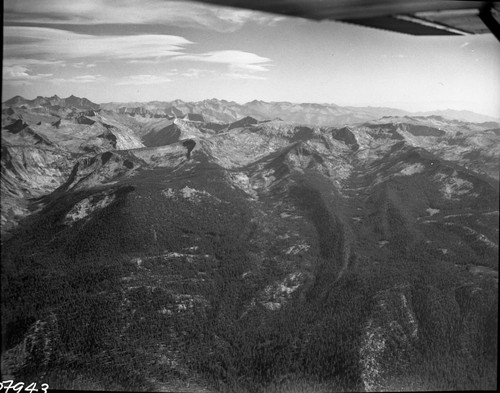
<point x="165" y="12"/>
<point x="197" y="73"/>
<point x="80" y="79"/>
<point x="84" y="65"/>
<point x="54" y="44"/>
<point x="26" y="62"/>
<point x="238" y="75"/>
<point x="237" y="60"/>
<point x="144" y="79"/>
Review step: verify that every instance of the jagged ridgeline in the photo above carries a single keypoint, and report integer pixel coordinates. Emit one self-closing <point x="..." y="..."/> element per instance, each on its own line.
<point x="264" y="247"/>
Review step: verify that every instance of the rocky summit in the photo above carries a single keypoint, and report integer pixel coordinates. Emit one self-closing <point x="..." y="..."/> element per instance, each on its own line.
<point x="264" y="247"/>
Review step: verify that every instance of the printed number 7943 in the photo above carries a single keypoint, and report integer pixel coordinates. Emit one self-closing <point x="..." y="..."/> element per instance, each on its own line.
<point x="18" y="387"/>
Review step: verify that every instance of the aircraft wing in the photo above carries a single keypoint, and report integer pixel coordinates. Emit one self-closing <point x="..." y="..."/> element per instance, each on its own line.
<point x="416" y="17"/>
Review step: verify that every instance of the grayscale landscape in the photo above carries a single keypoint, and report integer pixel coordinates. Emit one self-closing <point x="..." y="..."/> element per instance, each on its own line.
<point x="256" y="245"/>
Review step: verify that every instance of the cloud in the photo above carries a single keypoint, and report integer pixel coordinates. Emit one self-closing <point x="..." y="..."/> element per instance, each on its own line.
<point x="235" y="59"/>
<point x="237" y="75"/>
<point x="84" y="65"/>
<point x="26" y="48"/>
<point x="18" y="73"/>
<point x="165" y="12"/>
<point x="144" y="80"/>
<point x="54" y="44"/>
<point x="26" y="62"/>
<point x="79" y="79"/>
<point x="396" y="56"/>
<point x="144" y="61"/>
<point x="197" y="73"/>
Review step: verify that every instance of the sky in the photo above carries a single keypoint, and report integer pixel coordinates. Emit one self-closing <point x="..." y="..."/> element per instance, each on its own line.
<point x="147" y="50"/>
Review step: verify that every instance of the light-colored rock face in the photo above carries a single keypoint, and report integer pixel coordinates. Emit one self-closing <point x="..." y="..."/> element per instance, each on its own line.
<point x="88" y="206"/>
<point x="412" y="169"/>
<point x="163" y="157"/>
<point x="432" y="211"/>
<point x="36" y="171"/>
<point x="190" y="194"/>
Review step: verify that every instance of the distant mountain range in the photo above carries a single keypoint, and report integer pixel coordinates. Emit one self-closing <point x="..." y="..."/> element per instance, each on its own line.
<point x="222" y="111"/>
<point x="463" y="115"/>
<point x="52" y="102"/>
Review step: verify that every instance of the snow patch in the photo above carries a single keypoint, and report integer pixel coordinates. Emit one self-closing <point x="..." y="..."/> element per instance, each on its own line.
<point x="185" y="302"/>
<point x="272" y="306"/>
<point x="242" y="181"/>
<point x="294" y="250"/>
<point x="432" y="211"/>
<point x="188" y="193"/>
<point x="276" y="294"/>
<point x="169" y="193"/>
<point x="411" y="170"/>
<point x="164" y="311"/>
<point x="86" y="207"/>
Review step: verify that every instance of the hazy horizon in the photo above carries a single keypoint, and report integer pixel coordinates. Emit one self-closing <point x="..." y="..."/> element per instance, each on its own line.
<point x="165" y="50"/>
